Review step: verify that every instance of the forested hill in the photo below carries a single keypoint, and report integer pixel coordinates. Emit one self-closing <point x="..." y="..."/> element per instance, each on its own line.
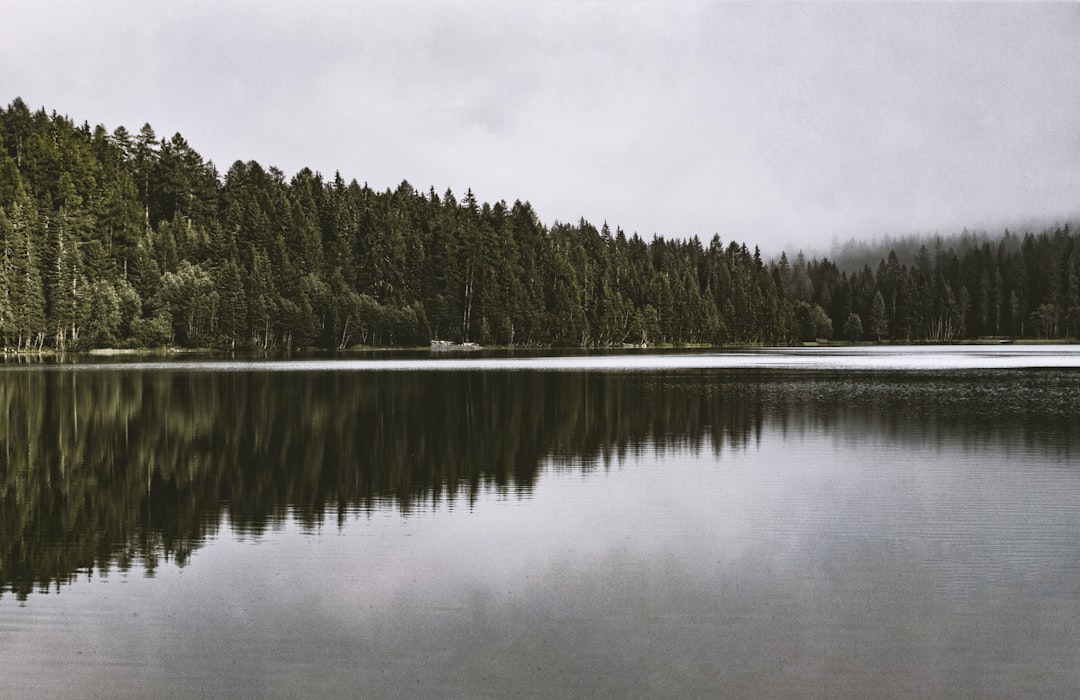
<point x="121" y="239"/>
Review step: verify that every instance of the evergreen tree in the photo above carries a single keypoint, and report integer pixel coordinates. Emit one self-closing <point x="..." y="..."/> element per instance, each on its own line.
<point x="879" y="322"/>
<point x="853" y="327"/>
<point x="24" y="298"/>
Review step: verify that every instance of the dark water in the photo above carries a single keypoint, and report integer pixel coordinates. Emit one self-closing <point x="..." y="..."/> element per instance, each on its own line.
<point x="633" y="528"/>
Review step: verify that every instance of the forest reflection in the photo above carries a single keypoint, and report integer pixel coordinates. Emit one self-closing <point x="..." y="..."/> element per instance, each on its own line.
<point x="110" y="467"/>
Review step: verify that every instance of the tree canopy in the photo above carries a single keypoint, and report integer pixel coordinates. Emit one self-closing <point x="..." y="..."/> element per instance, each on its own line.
<point x="118" y="239"/>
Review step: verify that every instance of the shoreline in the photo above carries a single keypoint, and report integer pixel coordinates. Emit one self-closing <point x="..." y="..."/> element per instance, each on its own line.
<point x="446" y="347"/>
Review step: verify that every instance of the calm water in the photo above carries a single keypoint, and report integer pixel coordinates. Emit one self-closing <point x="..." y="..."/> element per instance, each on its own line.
<point x="810" y="523"/>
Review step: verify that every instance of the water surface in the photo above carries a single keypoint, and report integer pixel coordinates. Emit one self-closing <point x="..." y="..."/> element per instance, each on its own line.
<point x="801" y="523"/>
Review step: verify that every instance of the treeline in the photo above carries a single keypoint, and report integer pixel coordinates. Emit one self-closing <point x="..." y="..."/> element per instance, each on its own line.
<point x="126" y="240"/>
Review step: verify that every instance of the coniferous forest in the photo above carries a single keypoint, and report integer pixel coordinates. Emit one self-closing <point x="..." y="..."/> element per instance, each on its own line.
<point x="121" y="239"/>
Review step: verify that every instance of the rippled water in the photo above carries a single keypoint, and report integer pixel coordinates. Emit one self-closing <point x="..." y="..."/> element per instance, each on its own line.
<point x="802" y="524"/>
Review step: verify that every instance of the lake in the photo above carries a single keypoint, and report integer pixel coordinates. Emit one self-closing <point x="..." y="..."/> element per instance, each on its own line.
<point x="819" y="522"/>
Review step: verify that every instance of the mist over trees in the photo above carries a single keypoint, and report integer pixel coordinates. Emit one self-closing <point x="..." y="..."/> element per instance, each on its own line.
<point x="128" y="239"/>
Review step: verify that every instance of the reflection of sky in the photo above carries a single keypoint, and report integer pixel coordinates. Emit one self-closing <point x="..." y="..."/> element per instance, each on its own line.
<point x="874" y="358"/>
<point x="809" y="565"/>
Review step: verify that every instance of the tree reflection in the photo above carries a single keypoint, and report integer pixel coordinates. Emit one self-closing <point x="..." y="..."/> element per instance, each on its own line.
<point x="113" y="467"/>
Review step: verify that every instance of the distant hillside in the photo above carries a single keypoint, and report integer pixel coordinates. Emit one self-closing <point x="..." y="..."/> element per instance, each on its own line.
<point x="854" y="254"/>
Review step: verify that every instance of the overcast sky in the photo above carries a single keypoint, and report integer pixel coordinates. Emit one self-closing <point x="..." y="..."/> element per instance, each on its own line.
<point x="783" y="125"/>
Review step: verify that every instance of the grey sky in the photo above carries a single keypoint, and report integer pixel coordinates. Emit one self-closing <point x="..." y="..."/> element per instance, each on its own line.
<point x="783" y="125"/>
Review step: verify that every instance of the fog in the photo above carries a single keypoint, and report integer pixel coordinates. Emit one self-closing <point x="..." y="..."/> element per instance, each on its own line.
<point x="782" y="125"/>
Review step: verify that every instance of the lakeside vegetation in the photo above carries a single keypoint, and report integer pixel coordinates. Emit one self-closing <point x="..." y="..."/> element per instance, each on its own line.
<point x="121" y="239"/>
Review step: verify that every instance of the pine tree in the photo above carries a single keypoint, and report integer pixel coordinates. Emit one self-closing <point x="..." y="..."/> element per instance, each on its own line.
<point x="25" y="298"/>
<point x="879" y="322"/>
<point x="853" y="327"/>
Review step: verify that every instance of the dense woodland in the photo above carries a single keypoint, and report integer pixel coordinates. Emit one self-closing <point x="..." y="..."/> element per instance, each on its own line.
<point x="121" y="239"/>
